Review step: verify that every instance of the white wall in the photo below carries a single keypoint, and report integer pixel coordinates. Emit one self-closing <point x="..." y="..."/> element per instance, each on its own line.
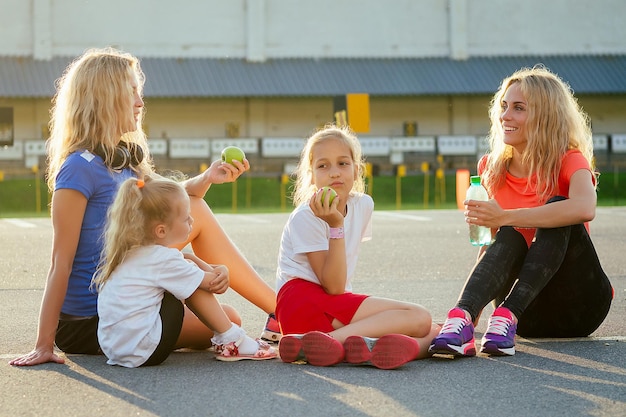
<point x="29" y="117"/>
<point x="297" y="117"/>
<point x="261" y="29"/>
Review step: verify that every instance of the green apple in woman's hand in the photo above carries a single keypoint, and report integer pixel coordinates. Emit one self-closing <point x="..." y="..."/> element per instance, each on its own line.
<point x="231" y="153"/>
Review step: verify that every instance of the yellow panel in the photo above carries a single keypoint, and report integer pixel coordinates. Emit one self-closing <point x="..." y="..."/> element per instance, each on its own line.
<point x="358" y="112"/>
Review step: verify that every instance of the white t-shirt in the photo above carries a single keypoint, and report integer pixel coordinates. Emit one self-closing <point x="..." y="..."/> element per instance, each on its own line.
<point x="129" y="328"/>
<point x="304" y="232"/>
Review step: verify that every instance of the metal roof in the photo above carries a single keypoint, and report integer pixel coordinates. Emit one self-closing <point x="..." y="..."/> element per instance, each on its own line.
<point x="212" y="77"/>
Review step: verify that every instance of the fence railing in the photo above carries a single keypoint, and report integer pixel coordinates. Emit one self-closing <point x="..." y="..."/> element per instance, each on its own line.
<point x="288" y="148"/>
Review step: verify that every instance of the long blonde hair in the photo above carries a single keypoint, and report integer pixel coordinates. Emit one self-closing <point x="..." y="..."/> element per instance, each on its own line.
<point x="555" y="124"/>
<point x="138" y="207"/>
<point x="94" y="99"/>
<point x="304" y="187"/>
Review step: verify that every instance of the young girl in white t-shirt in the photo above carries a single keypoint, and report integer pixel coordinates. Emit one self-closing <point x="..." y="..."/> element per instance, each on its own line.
<point x="322" y="321"/>
<point x="142" y="280"/>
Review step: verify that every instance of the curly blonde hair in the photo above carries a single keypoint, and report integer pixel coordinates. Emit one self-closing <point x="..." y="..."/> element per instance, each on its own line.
<point x="555" y="124"/>
<point x="94" y="99"/>
<point x="138" y="207"/>
<point x="304" y="187"/>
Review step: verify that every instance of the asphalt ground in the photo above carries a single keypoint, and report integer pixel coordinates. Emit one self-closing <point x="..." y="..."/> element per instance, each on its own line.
<point x="418" y="256"/>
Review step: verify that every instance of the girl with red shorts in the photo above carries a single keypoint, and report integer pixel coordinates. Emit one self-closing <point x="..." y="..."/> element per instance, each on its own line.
<point x="322" y="320"/>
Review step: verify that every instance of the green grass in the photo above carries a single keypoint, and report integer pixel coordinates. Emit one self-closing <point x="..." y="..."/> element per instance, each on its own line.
<point x="19" y="197"/>
<point x="268" y="194"/>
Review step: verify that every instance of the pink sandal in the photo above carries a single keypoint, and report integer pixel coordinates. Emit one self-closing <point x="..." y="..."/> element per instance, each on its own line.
<point x="230" y="352"/>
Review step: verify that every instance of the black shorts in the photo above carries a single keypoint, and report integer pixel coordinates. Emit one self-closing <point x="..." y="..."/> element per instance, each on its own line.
<point x="172" y="313"/>
<point x="78" y="335"/>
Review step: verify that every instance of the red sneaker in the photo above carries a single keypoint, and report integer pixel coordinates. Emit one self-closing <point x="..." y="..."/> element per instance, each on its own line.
<point x="271" y="333"/>
<point x="388" y="352"/>
<point x="320" y="349"/>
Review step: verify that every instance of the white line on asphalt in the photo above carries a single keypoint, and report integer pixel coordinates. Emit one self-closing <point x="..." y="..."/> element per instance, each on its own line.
<point x="402" y="216"/>
<point x="577" y="339"/>
<point x="9" y="355"/>
<point x="20" y="223"/>
<point x="243" y="217"/>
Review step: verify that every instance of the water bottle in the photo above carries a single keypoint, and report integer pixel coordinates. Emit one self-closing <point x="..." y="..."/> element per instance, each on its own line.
<point x="478" y="235"/>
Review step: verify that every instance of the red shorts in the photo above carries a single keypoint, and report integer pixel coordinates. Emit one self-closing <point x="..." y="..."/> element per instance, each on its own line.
<point x="302" y="306"/>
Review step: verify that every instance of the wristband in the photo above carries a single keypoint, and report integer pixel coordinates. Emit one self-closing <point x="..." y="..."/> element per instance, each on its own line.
<point x="336" y="233"/>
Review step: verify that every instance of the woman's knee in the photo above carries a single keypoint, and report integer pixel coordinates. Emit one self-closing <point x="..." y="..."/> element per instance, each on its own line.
<point x="508" y="235"/>
<point x="201" y="213"/>
<point x="199" y="207"/>
<point x="232" y="314"/>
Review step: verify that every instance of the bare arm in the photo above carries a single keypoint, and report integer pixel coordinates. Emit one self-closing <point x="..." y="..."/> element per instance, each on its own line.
<point x="216" y="277"/>
<point x="330" y="266"/>
<point x="580" y="207"/>
<point x="68" y="209"/>
<point x="218" y="173"/>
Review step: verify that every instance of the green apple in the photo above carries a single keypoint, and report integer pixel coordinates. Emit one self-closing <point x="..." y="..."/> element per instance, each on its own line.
<point x="231" y="153"/>
<point x="332" y="192"/>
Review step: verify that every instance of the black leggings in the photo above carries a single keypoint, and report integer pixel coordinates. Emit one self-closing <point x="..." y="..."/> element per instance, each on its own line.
<point x="556" y="287"/>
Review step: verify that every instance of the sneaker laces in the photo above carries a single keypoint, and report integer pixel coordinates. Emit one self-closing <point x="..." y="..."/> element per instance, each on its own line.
<point x="453" y="325"/>
<point x="499" y="325"/>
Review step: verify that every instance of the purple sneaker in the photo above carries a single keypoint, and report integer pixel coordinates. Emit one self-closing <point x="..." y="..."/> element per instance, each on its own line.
<point x="499" y="339"/>
<point x="456" y="336"/>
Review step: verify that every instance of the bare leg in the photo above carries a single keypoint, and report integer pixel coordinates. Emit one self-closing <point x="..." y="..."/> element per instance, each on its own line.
<point x="377" y="317"/>
<point x="195" y="334"/>
<point x="425" y="342"/>
<point x="211" y="244"/>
